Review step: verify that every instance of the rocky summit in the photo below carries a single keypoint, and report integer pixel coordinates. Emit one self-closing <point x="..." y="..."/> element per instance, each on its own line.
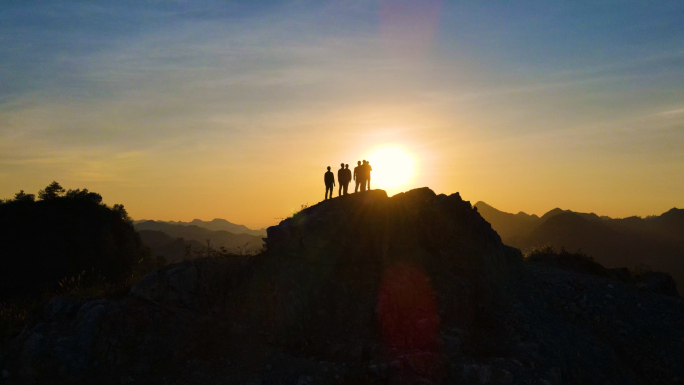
<point x="363" y="289"/>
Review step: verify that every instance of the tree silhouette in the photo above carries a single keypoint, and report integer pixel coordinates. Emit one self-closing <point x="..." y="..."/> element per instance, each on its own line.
<point x="85" y="195"/>
<point x="64" y="235"/>
<point x="119" y="209"/>
<point x="52" y="191"/>
<point x="21" y="196"/>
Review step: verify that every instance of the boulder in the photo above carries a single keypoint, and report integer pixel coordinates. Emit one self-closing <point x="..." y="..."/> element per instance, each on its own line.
<point x="657" y="282"/>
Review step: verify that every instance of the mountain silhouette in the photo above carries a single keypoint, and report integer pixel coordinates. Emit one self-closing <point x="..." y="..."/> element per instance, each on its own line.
<point x="557" y="211"/>
<point x="657" y="241"/>
<point x="506" y="224"/>
<point x="364" y="289"/>
<point x="670" y="222"/>
<point x="216" y="224"/>
<point x="194" y="235"/>
<point x="173" y="249"/>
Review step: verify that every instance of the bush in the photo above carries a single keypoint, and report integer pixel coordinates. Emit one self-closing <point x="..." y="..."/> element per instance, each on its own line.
<point x="577" y="261"/>
<point x="13" y="318"/>
<point x="210" y="251"/>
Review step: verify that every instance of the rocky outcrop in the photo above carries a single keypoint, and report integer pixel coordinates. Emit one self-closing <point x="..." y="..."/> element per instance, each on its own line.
<point x="362" y="289"/>
<point x="360" y="256"/>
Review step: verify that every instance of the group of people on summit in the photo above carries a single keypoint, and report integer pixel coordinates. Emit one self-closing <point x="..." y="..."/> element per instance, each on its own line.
<point x="344" y="177"/>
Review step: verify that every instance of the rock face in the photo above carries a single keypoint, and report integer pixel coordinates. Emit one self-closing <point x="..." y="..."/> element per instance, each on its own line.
<point x="363" y="289"/>
<point x="386" y="265"/>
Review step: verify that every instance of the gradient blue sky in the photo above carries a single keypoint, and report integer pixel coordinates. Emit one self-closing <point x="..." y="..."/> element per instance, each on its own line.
<point x="203" y="109"/>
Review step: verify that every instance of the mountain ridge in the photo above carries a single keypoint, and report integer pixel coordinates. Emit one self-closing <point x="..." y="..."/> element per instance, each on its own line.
<point x="216" y="224"/>
<point x="655" y="241"/>
<point x="193" y="236"/>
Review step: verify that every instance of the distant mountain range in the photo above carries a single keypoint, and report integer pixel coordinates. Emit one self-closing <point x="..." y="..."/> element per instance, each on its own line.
<point x="656" y="241"/>
<point x="171" y="239"/>
<point x="216" y="224"/>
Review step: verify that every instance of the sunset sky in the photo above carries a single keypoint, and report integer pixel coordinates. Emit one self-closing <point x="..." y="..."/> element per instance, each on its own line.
<point x="216" y="109"/>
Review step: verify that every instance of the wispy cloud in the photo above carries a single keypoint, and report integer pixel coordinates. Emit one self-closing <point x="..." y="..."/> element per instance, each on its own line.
<point x="677" y="111"/>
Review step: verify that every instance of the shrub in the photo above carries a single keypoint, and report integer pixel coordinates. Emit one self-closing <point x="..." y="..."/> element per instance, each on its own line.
<point x="13" y="318"/>
<point x="578" y="261"/>
<point x="211" y="252"/>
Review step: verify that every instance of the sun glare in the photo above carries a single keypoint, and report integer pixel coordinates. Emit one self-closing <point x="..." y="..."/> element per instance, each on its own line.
<point x="392" y="168"/>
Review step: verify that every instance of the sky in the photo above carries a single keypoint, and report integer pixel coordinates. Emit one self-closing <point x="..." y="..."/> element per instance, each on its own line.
<point x="223" y="109"/>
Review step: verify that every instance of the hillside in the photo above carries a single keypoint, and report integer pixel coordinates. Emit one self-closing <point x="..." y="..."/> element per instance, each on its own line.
<point x="193" y="235"/>
<point x="173" y="249"/>
<point x="363" y="289"/>
<point x="508" y="225"/>
<point x="216" y="224"/>
<point x="656" y="241"/>
<point x="61" y="236"/>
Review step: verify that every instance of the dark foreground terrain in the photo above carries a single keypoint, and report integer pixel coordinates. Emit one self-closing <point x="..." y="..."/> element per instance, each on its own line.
<point x="364" y="289"/>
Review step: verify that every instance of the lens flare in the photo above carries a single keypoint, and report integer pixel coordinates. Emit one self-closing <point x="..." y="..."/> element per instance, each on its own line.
<point x="409" y="319"/>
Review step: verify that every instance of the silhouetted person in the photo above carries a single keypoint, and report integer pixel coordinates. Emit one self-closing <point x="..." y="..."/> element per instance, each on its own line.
<point x="363" y="175"/>
<point x="357" y="176"/>
<point x="347" y="178"/>
<point x="367" y="174"/>
<point x="329" y="180"/>
<point x="341" y="176"/>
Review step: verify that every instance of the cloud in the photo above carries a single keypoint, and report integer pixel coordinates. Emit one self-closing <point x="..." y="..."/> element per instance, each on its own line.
<point x="166" y="88"/>
<point x="677" y="111"/>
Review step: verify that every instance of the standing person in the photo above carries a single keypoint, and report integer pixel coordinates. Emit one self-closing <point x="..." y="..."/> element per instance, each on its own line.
<point x="329" y="179"/>
<point x="362" y="174"/>
<point x="357" y="176"/>
<point x="347" y="178"/>
<point x="368" y="171"/>
<point x="341" y="176"/>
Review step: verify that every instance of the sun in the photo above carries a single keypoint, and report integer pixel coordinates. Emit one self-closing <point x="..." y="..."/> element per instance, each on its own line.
<point x="392" y="168"/>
